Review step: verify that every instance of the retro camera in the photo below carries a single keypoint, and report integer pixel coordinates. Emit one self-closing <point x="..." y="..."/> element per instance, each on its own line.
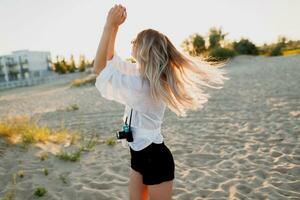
<point x="126" y="130"/>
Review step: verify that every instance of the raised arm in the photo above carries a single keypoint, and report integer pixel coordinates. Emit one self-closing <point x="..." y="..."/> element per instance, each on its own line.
<point x="111" y="45"/>
<point x="116" y="16"/>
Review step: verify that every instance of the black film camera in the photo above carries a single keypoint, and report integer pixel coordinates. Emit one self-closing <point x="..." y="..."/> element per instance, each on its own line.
<point x="126" y="132"/>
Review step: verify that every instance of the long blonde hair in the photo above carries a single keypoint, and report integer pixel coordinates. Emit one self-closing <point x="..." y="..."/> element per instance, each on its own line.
<point x="173" y="76"/>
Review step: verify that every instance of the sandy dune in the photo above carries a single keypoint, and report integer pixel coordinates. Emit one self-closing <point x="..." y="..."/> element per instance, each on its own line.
<point x="244" y="144"/>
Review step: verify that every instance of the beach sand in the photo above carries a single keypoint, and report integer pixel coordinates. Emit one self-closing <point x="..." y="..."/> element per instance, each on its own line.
<point x="244" y="143"/>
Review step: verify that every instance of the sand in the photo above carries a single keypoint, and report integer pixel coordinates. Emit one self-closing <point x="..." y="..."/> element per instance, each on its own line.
<point x="244" y="143"/>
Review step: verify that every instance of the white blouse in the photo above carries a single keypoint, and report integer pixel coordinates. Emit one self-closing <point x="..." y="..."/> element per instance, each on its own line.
<point x="120" y="81"/>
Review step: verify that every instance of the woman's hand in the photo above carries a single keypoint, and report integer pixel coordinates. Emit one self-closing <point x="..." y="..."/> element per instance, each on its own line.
<point x="116" y="16"/>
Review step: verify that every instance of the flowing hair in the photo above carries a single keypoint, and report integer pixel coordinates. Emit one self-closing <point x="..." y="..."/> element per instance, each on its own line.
<point x="175" y="77"/>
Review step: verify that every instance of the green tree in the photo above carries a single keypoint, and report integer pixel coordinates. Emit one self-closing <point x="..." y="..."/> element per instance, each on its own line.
<point x="277" y="49"/>
<point x="72" y="64"/>
<point x="244" y="46"/>
<point x="65" y="65"/>
<point x="215" y="37"/>
<point x="59" y="66"/>
<point x="82" y="63"/>
<point x="219" y="53"/>
<point x="194" y="45"/>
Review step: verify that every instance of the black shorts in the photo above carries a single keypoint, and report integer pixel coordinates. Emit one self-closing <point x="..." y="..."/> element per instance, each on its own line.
<point x="155" y="163"/>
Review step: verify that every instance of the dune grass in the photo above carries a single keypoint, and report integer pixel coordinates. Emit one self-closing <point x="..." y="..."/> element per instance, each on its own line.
<point x="72" y="107"/>
<point x="70" y="156"/>
<point x="44" y="156"/>
<point x="111" y="141"/>
<point x="291" y="52"/>
<point x="75" y="155"/>
<point x="46" y="172"/>
<point x="21" y="173"/>
<point x="88" y="80"/>
<point x="10" y="194"/>
<point x="63" y="178"/>
<point x="25" y="130"/>
<point x="40" y="191"/>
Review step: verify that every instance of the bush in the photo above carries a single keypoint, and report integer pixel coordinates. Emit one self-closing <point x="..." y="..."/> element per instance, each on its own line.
<point x="277" y="50"/>
<point x="219" y="53"/>
<point x="244" y="46"/>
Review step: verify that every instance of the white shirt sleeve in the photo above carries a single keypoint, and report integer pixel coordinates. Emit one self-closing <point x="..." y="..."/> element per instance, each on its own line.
<point x="125" y="67"/>
<point x="121" y="82"/>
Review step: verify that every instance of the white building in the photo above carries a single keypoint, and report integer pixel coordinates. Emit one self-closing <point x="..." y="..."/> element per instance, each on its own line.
<point x="23" y="64"/>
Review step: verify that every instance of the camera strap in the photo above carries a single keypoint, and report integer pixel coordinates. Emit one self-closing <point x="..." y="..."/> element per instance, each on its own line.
<point x="130" y="119"/>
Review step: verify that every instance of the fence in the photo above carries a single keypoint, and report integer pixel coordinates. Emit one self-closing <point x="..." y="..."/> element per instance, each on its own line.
<point x="40" y="80"/>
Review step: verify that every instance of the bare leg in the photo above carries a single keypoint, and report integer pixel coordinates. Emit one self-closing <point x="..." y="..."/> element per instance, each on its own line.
<point x="137" y="190"/>
<point x="161" y="191"/>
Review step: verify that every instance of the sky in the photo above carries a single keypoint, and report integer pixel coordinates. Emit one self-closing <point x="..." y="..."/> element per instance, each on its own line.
<point x="66" y="27"/>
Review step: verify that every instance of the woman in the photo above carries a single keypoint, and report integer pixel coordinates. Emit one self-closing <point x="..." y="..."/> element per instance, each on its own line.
<point x="162" y="76"/>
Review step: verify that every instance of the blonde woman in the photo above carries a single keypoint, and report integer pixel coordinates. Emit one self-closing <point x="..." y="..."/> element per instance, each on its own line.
<point x="161" y="77"/>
